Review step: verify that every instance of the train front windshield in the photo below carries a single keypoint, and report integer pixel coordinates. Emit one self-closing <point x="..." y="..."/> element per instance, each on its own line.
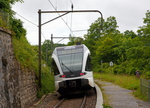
<point x="71" y="59"/>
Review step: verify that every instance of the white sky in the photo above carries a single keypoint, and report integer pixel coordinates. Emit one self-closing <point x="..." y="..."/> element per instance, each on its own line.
<point x="129" y="15"/>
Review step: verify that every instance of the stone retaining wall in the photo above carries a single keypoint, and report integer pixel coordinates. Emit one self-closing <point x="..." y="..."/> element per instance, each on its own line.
<point x="17" y="84"/>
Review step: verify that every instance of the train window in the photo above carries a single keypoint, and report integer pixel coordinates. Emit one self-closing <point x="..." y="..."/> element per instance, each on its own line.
<point x="88" y="64"/>
<point x="71" y="62"/>
<point x="55" y="68"/>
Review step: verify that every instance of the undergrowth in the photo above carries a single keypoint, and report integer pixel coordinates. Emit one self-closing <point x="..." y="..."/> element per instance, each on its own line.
<point x="28" y="57"/>
<point x="105" y="97"/>
<point x="26" y="54"/>
<point x="106" y="106"/>
<point x="126" y="81"/>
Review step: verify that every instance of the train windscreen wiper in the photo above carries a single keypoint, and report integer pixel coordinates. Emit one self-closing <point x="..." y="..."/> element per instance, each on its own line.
<point x="67" y="67"/>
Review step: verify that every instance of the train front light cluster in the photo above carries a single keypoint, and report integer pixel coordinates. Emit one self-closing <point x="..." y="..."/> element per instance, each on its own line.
<point x="62" y="76"/>
<point x="82" y="73"/>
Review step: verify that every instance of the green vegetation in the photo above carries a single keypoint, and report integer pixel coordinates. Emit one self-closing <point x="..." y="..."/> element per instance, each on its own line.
<point x="126" y="81"/>
<point x="105" y="97"/>
<point x="28" y="57"/>
<point x="47" y="83"/>
<point x="106" y="106"/>
<point x="25" y="53"/>
<point x="129" y="51"/>
<point x="6" y="13"/>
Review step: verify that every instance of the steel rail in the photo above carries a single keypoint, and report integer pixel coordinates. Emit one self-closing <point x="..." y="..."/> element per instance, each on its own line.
<point x="59" y="103"/>
<point x="83" y="102"/>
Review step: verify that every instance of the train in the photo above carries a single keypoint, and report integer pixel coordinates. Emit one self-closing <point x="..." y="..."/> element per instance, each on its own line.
<point x="72" y="69"/>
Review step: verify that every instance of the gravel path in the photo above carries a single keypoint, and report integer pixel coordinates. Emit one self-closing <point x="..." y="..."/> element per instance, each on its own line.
<point x="121" y="98"/>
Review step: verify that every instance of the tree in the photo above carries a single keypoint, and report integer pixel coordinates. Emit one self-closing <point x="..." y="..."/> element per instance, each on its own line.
<point x="17" y="28"/>
<point x="110" y="26"/>
<point x="75" y="40"/>
<point x="130" y="34"/>
<point x="100" y="29"/>
<point x="145" y="29"/>
<point x="15" y="25"/>
<point x="5" y="5"/>
<point x="47" y="50"/>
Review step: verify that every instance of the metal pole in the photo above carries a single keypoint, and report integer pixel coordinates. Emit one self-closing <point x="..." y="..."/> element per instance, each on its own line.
<point x="55" y="18"/>
<point x="51" y="50"/>
<point x="39" y="83"/>
<point x="111" y="70"/>
<point x="47" y="53"/>
<point x="74" y="11"/>
<point x="52" y="41"/>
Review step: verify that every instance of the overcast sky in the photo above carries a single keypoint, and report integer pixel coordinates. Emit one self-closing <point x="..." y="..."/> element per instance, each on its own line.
<point x="129" y="15"/>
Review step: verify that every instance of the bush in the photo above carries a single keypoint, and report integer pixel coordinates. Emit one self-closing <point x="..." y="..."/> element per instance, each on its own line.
<point x="147" y="75"/>
<point x="118" y="69"/>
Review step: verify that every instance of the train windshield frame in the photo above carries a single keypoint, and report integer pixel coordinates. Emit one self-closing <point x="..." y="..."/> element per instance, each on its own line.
<point x="71" y="59"/>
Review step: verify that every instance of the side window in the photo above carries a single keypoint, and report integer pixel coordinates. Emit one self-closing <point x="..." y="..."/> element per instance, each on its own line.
<point x="55" y="68"/>
<point x="88" y="64"/>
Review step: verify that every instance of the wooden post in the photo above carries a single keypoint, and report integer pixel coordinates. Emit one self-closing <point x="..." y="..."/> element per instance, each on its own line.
<point x="149" y="90"/>
<point x="141" y="86"/>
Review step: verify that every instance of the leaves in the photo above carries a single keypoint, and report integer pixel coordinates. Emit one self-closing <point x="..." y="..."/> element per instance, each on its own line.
<point x="129" y="51"/>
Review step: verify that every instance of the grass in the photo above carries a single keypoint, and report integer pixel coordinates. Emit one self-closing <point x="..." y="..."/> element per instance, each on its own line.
<point x="47" y="84"/>
<point x="106" y="106"/>
<point x="126" y="81"/>
<point x="28" y="57"/>
<point x="105" y="98"/>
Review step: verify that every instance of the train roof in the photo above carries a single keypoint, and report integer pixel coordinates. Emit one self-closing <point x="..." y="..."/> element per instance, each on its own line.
<point x="70" y="49"/>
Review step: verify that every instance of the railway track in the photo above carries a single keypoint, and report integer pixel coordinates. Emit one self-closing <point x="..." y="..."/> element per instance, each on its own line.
<point x="84" y="101"/>
<point x="59" y="103"/>
<point x="88" y="100"/>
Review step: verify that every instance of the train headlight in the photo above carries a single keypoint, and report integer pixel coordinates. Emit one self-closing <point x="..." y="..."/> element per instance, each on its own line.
<point x="81" y="74"/>
<point x="62" y="76"/>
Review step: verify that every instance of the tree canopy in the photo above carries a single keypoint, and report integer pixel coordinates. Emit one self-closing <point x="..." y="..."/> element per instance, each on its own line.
<point x="130" y="51"/>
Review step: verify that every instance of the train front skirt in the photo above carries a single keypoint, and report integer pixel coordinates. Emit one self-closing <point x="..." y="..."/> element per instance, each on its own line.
<point x="70" y="86"/>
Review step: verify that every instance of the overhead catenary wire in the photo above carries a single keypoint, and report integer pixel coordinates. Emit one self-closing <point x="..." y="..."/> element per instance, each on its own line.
<point x="29" y="22"/>
<point x="60" y="40"/>
<point x="59" y="14"/>
<point x="43" y="36"/>
<point x="80" y="30"/>
<point x="32" y="24"/>
<point x="26" y="19"/>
